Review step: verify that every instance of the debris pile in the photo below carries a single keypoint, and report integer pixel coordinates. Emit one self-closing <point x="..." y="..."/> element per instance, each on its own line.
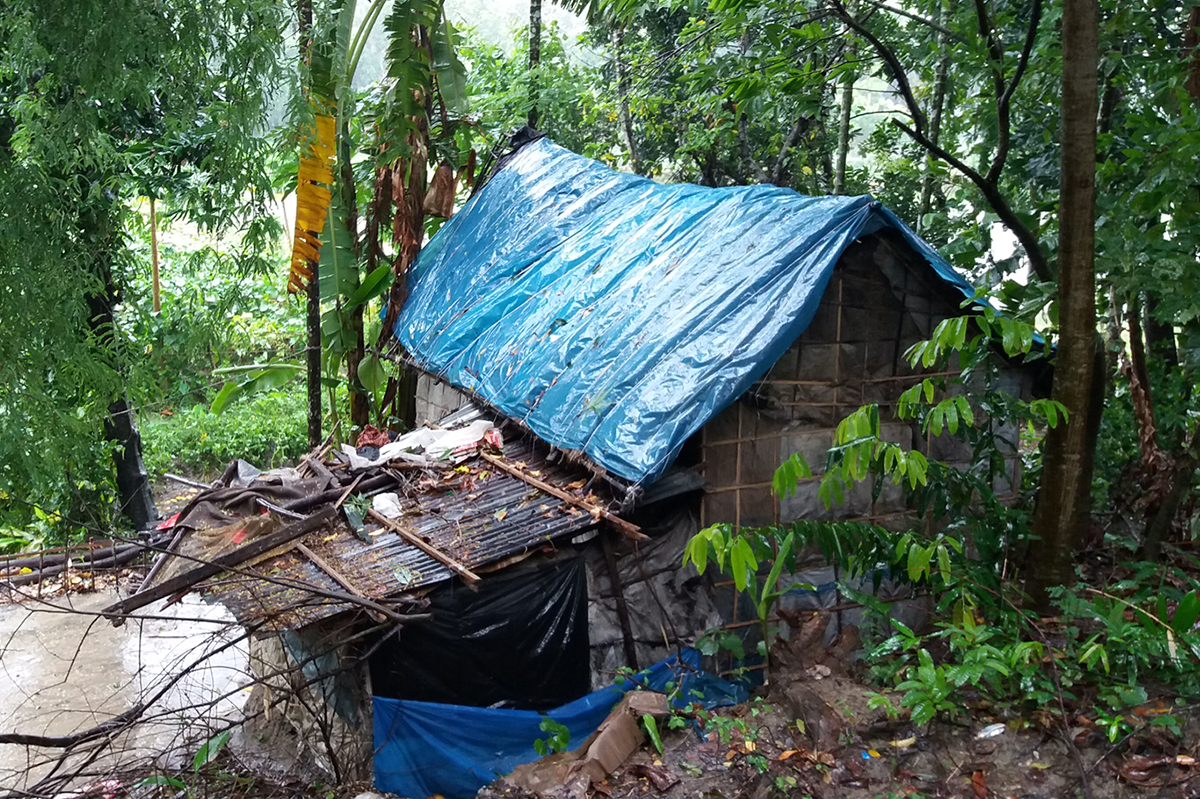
<point x="366" y="529"/>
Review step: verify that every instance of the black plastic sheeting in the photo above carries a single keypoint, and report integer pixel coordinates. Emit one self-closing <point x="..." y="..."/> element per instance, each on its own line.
<point x="520" y="641"/>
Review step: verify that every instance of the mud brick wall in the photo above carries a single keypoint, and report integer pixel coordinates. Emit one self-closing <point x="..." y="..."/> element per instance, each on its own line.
<point x="875" y="307"/>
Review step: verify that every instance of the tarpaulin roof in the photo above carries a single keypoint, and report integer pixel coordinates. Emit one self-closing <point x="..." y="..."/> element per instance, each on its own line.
<point x="616" y="315"/>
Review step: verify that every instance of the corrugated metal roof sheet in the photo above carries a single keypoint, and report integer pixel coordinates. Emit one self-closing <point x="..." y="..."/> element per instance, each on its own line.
<point x="475" y="514"/>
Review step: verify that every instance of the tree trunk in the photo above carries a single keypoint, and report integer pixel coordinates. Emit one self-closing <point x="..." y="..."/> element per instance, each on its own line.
<point x="98" y="224"/>
<point x="839" y="173"/>
<point x="935" y="120"/>
<point x="623" y="99"/>
<point x="535" y="58"/>
<point x="1063" y="505"/>
<point x="408" y="193"/>
<point x="133" y="483"/>
<point x="360" y="405"/>
<point x="1160" y="336"/>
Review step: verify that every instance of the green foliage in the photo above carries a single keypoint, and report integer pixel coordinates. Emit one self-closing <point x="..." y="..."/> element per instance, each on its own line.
<point x="266" y="429"/>
<point x="1015" y="664"/>
<point x="206" y="754"/>
<point x="257" y="377"/>
<point x="558" y="739"/>
<point x="214" y="316"/>
<point x="650" y="725"/>
<point x="100" y="104"/>
<point x="572" y="107"/>
<point x="742" y="548"/>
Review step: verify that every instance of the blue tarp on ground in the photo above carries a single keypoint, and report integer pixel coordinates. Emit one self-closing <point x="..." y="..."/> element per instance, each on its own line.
<point x="616" y="315"/>
<point x="425" y="748"/>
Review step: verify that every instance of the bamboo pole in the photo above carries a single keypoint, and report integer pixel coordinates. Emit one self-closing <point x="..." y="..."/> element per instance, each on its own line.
<point x="157" y="289"/>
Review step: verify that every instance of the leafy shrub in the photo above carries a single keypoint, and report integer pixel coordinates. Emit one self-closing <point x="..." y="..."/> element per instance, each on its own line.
<point x="267" y="430"/>
<point x="216" y="312"/>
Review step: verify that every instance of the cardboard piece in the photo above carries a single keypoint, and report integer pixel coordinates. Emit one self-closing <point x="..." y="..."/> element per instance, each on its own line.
<point x="617" y="737"/>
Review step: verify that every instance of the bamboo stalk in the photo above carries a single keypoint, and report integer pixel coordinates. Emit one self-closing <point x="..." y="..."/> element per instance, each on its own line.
<point x="157" y="290"/>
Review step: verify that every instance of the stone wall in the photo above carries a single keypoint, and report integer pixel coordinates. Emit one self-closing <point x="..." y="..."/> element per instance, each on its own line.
<point x="436" y="399"/>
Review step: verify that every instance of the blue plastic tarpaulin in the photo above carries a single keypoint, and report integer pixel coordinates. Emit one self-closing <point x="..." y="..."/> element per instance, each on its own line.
<point x="615" y="315"/>
<point x="425" y="748"/>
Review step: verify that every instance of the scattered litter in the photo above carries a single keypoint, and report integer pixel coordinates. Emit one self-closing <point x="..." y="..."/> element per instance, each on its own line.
<point x="808" y="756"/>
<point x="1141" y="769"/>
<point x="818" y="672"/>
<point x="387" y="504"/>
<point x="427" y="446"/>
<point x="658" y="775"/>
<point x="903" y="743"/>
<point x="372" y="436"/>
<point x="991" y="731"/>
<point x="870" y="754"/>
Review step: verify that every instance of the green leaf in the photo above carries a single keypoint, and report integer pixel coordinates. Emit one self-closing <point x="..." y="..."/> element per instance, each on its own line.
<point x="936" y="420"/>
<point x="768" y="589"/>
<point x="372" y="286"/>
<point x="1008" y="336"/>
<point x="965" y="411"/>
<point x="372" y="374"/>
<point x="163" y="781"/>
<point x="943" y="555"/>
<point x="272" y="377"/>
<point x="651" y="725"/>
<point x="1186" y="614"/>
<point x="338" y="268"/>
<point x="789" y="474"/>
<point x="951" y="416"/>
<point x="267" y="379"/>
<point x="209" y="751"/>
<point x="742" y="563"/>
<point x="451" y="74"/>
<point x="697" y="552"/>
<point x="228" y="392"/>
<point x="919" y="558"/>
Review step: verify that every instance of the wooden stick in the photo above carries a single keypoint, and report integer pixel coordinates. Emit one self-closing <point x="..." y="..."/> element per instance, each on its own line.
<point x="318" y="468"/>
<point x="305" y="504"/>
<point x="271" y="506"/>
<point x="629" y="530"/>
<point x="433" y="552"/>
<point x="324" y="566"/>
<point x="348" y="491"/>
<point x="219" y="564"/>
<point x="186" y="481"/>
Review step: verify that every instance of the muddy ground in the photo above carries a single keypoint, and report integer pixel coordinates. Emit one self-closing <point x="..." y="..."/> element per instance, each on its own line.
<point x="812" y="734"/>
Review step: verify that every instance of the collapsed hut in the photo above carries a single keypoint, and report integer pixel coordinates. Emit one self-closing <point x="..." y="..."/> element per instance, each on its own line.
<point x="606" y="364"/>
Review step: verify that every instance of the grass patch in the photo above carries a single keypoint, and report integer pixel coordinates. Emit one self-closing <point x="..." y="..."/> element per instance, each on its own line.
<point x="266" y="429"/>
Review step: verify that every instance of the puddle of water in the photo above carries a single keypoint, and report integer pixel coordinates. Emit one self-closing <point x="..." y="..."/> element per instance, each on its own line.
<point x="64" y="671"/>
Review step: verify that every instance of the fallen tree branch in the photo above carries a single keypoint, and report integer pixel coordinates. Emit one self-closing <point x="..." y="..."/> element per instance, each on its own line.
<point x="253" y="549"/>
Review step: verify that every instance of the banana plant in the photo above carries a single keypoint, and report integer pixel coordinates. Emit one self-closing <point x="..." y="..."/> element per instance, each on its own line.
<point x="424" y="89"/>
